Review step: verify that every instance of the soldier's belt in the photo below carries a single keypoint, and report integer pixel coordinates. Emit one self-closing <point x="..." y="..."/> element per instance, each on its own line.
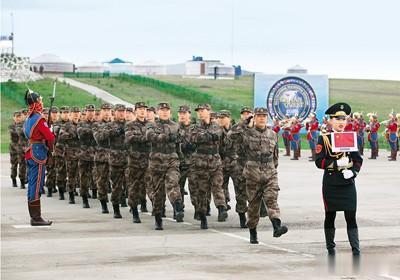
<point x="36" y="142"/>
<point x="212" y="151"/>
<point x="139" y="148"/>
<point x="261" y="159"/>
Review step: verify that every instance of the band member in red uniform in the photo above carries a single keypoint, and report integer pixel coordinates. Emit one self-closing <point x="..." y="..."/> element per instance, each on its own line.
<point x="391" y="127"/>
<point x="325" y="126"/>
<point x="372" y="129"/>
<point x="312" y="134"/>
<point x="295" y="141"/>
<point x="338" y="184"/>
<point x="360" y="129"/>
<point x="285" y="124"/>
<point x="41" y="141"/>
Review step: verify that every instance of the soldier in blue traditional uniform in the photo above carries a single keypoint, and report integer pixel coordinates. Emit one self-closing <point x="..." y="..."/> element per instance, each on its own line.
<point x="41" y="141"/>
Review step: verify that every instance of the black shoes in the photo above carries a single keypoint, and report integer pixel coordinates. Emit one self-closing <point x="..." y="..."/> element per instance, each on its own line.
<point x="278" y="228"/>
<point x="158" y="222"/>
<point x="117" y="214"/>
<point x="243" y="220"/>
<point x="71" y="198"/>
<point x="85" y="202"/>
<point x="14" y="182"/>
<point x="135" y="215"/>
<point x="143" y="206"/>
<point x="352" y="234"/>
<point x="330" y="240"/>
<point x="104" y="208"/>
<point x="203" y="221"/>
<point x="253" y="236"/>
<point x="222" y="214"/>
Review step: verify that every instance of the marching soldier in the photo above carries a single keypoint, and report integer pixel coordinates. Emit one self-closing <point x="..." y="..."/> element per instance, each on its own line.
<point x="207" y="165"/>
<point x="392" y="127"/>
<point x="51" y="168"/>
<point x="260" y="143"/>
<point x="41" y="141"/>
<point x="22" y="145"/>
<point x="338" y="187"/>
<point x="102" y="155"/>
<point x="87" y="152"/>
<point x="130" y="114"/>
<point x="14" y="148"/>
<point x="372" y="129"/>
<point x="312" y="133"/>
<point x="138" y="160"/>
<point x="164" y="164"/>
<point x="69" y="137"/>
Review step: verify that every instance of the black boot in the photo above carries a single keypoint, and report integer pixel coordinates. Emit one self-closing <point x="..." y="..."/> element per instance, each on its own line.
<point x="330" y="240"/>
<point x="135" y="215"/>
<point x="143" y="206"/>
<point x="352" y="234"/>
<point x="253" y="236"/>
<point x="196" y="215"/>
<point x="49" y="192"/>
<point x="203" y="221"/>
<point x="117" y="214"/>
<point x="35" y="213"/>
<point x="104" y="208"/>
<point x="158" y="222"/>
<point x="242" y="219"/>
<point x="222" y="214"/>
<point x="163" y="212"/>
<point x="61" y="191"/>
<point x="123" y="202"/>
<point x="208" y="210"/>
<point x="178" y="208"/>
<point x="94" y="194"/>
<point x="14" y="182"/>
<point x="71" y="198"/>
<point x="278" y="229"/>
<point x="263" y="210"/>
<point x="54" y="190"/>
<point x="22" y="183"/>
<point x="85" y="202"/>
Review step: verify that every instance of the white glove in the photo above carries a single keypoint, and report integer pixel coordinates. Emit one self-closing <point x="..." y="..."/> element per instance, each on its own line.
<point x="342" y="162"/>
<point x="347" y="174"/>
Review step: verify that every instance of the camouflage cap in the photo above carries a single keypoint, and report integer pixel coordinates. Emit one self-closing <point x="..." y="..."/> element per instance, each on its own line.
<point x="213" y="115"/>
<point x="90" y="107"/>
<point x="260" y="111"/>
<point x="24" y="111"/>
<point x="75" y="109"/>
<point x="246" y="109"/>
<point x="129" y="109"/>
<point x="16" y="113"/>
<point x="54" y="109"/>
<point x="203" y="106"/>
<point x="45" y="110"/>
<point x="107" y="106"/>
<point x="151" y="109"/>
<point x="64" y="109"/>
<point x="140" y="105"/>
<point x="184" y="108"/>
<point x="224" y="113"/>
<point x="119" y="107"/>
<point x="163" y="105"/>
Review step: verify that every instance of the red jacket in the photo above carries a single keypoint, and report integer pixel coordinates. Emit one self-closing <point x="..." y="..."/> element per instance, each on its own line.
<point x="392" y="127"/>
<point x="41" y="132"/>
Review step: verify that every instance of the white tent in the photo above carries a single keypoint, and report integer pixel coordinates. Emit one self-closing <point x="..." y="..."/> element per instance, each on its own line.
<point x="51" y="63"/>
<point x="149" y="67"/>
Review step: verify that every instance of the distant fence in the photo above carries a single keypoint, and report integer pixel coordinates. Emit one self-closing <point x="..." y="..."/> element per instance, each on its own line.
<point x="11" y="90"/>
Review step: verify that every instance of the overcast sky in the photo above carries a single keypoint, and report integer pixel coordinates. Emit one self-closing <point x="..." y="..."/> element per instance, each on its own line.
<point x="341" y="38"/>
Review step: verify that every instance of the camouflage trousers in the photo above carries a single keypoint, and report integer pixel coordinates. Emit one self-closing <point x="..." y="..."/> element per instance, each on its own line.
<point x="117" y="177"/>
<point x="86" y="176"/>
<point x="261" y="183"/>
<point x="61" y="171"/>
<point x="14" y="159"/>
<point x="164" y="176"/>
<point x="72" y="174"/>
<point x="185" y="174"/>
<point x="51" y="174"/>
<point x="136" y="184"/>
<point x="232" y="169"/>
<point x="102" y="179"/>
<point x="207" y="173"/>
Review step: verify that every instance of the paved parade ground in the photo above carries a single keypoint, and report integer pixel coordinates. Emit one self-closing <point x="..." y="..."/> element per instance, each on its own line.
<point x="85" y="244"/>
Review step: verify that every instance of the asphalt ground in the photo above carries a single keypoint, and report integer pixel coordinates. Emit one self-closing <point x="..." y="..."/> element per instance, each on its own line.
<point x="85" y="244"/>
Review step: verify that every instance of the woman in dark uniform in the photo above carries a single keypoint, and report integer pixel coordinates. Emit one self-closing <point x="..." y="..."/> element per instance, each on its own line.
<point x="338" y="186"/>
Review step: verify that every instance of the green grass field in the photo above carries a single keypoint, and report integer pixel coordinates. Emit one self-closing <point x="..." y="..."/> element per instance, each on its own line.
<point x="12" y="99"/>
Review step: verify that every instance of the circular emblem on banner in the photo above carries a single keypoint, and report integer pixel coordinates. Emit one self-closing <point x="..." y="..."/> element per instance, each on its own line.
<point x="291" y="96"/>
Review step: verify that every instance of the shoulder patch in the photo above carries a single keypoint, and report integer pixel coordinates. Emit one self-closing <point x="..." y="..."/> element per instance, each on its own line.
<point x="318" y="149"/>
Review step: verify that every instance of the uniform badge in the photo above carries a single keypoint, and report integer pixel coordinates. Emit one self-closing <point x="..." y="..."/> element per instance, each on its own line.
<point x="318" y="149"/>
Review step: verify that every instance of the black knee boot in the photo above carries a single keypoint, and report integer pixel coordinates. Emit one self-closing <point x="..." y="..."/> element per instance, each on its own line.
<point x="158" y="222"/>
<point x="330" y="240"/>
<point x="71" y="198"/>
<point x="117" y="214"/>
<point x="49" y="191"/>
<point x="242" y="219"/>
<point x="85" y="202"/>
<point x="203" y="221"/>
<point x="352" y="234"/>
<point x="22" y="183"/>
<point x="143" y="206"/>
<point x="94" y="194"/>
<point x="135" y="215"/>
<point x="253" y="236"/>
<point x="104" y="208"/>
<point x="14" y="182"/>
<point x="278" y="228"/>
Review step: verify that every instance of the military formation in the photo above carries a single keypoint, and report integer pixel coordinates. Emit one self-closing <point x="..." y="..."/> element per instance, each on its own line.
<point x="121" y="156"/>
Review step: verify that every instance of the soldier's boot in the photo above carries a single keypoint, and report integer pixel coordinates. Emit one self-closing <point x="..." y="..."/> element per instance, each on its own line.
<point x="50" y="191"/>
<point x="71" y="198"/>
<point x="85" y="202"/>
<point x="143" y="206"/>
<point x="243" y="220"/>
<point x="178" y="210"/>
<point x="196" y="215"/>
<point x="372" y="154"/>
<point x="104" y="208"/>
<point x="287" y="151"/>
<point x="352" y="234"/>
<point x="203" y="221"/>
<point x="123" y="202"/>
<point x="263" y="210"/>
<point x="158" y="222"/>
<point x="208" y="210"/>
<point x="23" y="183"/>
<point x="312" y="155"/>
<point x="253" y="236"/>
<point x="61" y="191"/>
<point x="295" y="155"/>
<point x="35" y="213"/>
<point x="330" y="240"/>
<point x="135" y="215"/>
<point x="54" y="190"/>
<point x="117" y="214"/>
<point x="14" y="182"/>
<point x="88" y="195"/>
<point x="94" y="194"/>
<point x="163" y="212"/>
<point x="222" y="214"/>
<point x="393" y="156"/>
<point x="278" y="228"/>
<point x="76" y="192"/>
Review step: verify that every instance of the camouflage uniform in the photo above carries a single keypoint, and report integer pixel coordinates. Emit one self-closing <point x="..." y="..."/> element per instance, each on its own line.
<point x="69" y="137"/>
<point x="86" y="159"/>
<point x="51" y="172"/>
<point x="261" y="175"/>
<point x="207" y="166"/>
<point x="164" y="165"/>
<point x="14" y="152"/>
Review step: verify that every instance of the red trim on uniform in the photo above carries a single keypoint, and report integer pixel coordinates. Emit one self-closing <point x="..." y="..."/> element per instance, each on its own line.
<point x="323" y="164"/>
<point x="38" y="181"/>
<point x="325" y="204"/>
